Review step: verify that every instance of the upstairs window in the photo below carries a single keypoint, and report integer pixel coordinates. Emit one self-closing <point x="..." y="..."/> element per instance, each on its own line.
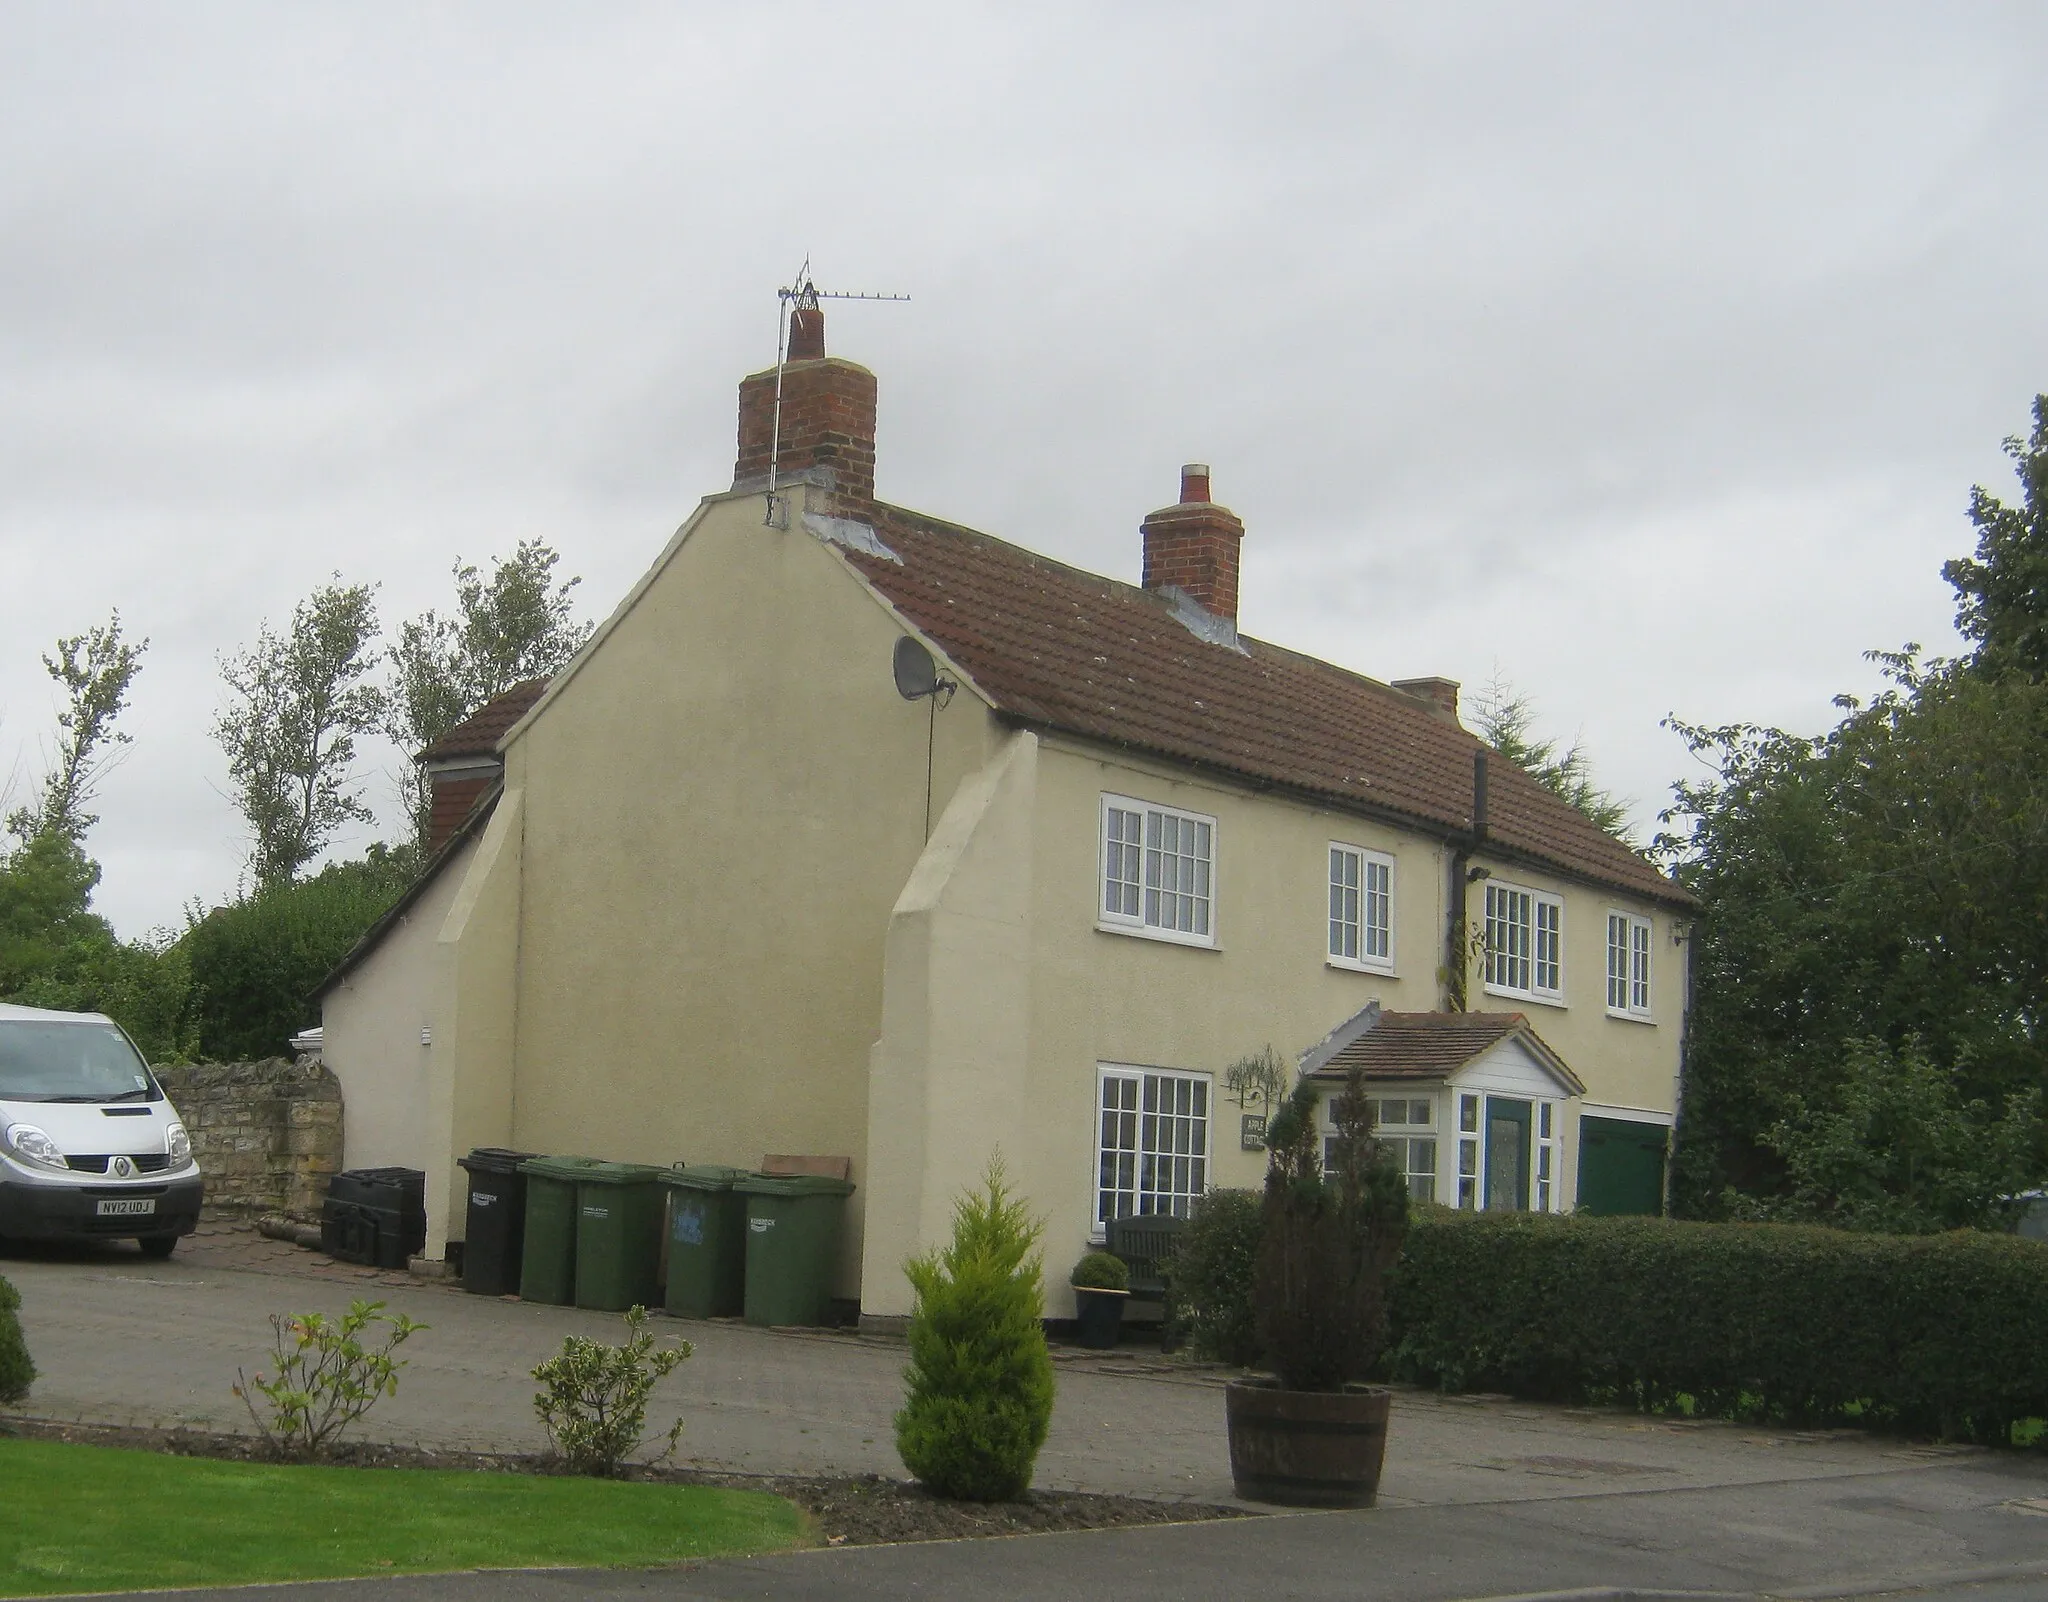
<point x="1361" y="908"/>
<point x="1158" y="869"/>
<point x="1628" y="965"/>
<point x="1524" y="943"/>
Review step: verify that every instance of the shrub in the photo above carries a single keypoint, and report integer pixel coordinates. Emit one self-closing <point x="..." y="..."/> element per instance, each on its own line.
<point x="327" y="1377"/>
<point x="1326" y="1241"/>
<point x="1101" y="1271"/>
<point x="980" y="1378"/>
<point x="593" y="1397"/>
<point x="1209" y="1303"/>
<point x="17" y="1373"/>
<point x="1931" y="1333"/>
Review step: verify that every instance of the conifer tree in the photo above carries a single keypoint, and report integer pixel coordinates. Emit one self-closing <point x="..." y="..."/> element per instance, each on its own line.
<point x="980" y="1376"/>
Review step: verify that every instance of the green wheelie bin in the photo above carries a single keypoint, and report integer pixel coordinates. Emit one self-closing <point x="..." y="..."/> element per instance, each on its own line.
<point x="792" y="1245"/>
<point x="547" y="1257"/>
<point x="707" y="1241"/>
<point x="618" y="1236"/>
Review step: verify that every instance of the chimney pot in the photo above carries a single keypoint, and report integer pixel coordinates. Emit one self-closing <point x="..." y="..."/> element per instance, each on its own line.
<point x="806" y="334"/>
<point x="1192" y="546"/>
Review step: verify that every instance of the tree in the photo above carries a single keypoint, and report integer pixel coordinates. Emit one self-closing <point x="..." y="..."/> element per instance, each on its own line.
<point x="95" y="669"/>
<point x="299" y="701"/>
<point x="1507" y="722"/>
<point x="2002" y="594"/>
<point x="517" y="625"/>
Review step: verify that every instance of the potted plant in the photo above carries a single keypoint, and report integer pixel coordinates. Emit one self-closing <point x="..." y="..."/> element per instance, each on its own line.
<point x="1331" y="1222"/>
<point x="1102" y="1284"/>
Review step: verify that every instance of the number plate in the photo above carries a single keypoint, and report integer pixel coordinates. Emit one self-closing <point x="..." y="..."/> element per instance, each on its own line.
<point x="136" y="1207"/>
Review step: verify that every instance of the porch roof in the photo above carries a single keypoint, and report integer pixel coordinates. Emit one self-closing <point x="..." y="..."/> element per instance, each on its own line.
<point x="1434" y="1046"/>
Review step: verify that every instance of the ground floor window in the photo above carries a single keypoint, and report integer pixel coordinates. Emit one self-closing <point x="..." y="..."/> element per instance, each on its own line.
<point x="1406" y="1126"/>
<point x="1152" y="1142"/>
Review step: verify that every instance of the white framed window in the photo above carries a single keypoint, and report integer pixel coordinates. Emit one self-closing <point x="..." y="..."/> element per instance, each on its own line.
<point x="1158" y="871"/>
<point x="1361" y="908"/>
<point x="1628" y="965"/>
<point x="1524" y="943"/>
<point x="1545" y="1190"/>
<point x="1151" y="1142"/>
<point x="1468" y="1152"/>
<point x="1407" y="1126"/>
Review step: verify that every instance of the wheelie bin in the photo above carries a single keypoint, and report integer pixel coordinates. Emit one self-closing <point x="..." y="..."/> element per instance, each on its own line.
<point x="707" y="1241"/>
<point x="793" y="1226"/>
<point x="618" y="1236"/>
<point x="495" y="1235"/>
<point x="547" y="1258"/>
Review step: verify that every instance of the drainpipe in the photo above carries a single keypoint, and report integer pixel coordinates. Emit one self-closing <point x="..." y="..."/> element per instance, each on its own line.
<point x="1457" y="960"/>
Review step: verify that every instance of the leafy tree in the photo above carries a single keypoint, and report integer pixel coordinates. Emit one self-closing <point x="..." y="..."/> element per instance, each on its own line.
<point x="1506" y="720"/>
<point x="1886" y="881"/>
<point x="518" y="624"/>
<point x="981" y="1385"/>
<point x="298" y="703"/>
<point x="254" y="964"/>
<point x="95" y="669"/>
<point x="2002" y="593"/>
<point x="1894" y="1147"/>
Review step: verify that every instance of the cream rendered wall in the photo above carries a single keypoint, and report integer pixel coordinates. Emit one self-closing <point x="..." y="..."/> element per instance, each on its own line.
<point x="1624" y="1062"/>
<point x="723" y="800"/>
<point x="950" y="1073"/>
<point x="370" y="1032"/>
<point x="469" y="1102"/>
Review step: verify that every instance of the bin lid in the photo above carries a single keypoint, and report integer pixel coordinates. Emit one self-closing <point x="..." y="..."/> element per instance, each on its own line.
<point x="495" y="1160"/>
<point x="704" y="1176"/>
<point x="793" y="1185"/>
<point x="560" y="1167"/>
<point x="619" y="1174"/>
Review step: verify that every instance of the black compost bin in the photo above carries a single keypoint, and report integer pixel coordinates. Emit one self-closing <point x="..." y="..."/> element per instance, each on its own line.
<point x="496" y="1232"/>
<point x="375" y="1216"/>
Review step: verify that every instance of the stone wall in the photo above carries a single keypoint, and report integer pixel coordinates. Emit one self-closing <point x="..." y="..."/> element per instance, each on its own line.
<point x="267" y="1134"/>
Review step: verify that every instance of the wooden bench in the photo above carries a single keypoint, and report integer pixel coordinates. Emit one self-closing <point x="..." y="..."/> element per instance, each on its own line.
<point x="1145" y="1241"/>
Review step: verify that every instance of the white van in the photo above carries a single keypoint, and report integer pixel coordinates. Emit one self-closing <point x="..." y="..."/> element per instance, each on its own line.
<point x="90" y="1146"/>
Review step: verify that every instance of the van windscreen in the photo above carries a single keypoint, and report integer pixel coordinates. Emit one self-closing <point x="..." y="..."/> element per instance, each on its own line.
<point x="71" y="1062"/>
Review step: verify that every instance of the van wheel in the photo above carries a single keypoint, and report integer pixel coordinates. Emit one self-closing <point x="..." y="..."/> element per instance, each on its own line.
<point x="158" y="1245"/>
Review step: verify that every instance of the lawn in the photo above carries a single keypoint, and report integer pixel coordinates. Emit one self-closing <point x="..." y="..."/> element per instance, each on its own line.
<point x="93" y="1518"/>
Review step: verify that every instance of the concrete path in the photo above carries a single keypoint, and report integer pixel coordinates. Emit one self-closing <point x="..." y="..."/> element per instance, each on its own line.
<point x="1482" y="1497"/>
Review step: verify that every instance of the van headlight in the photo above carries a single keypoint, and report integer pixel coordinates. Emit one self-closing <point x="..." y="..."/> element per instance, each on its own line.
<point x="30" y="1143"/>
<point x="178" y="1144"/>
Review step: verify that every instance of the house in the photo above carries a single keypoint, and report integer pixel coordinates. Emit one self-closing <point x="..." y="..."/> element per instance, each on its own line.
<point x="855" y="831"/>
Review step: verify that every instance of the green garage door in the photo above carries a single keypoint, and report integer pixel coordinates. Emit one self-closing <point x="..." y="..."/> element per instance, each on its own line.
<point x="1621" y="1166"/>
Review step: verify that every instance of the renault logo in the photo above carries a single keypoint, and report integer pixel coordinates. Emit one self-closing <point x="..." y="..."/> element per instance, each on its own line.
<point x="123" y="1168"/>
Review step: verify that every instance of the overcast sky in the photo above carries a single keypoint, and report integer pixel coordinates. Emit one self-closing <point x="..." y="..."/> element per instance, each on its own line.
<point x="1646" y="353"/>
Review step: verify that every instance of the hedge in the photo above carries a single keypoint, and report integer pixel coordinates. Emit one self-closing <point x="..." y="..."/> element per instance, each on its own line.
<point x="1209" y="1279"/>
<point x="16" y="1371"/>
<point x="1943" y="1334"/>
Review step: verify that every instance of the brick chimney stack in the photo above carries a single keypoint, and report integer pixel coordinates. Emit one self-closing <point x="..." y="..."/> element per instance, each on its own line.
<point x="828" y="416"/>
<point x="1193" y="546"/>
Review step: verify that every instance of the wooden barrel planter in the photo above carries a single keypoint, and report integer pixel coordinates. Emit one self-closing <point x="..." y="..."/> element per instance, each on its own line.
<point x="1306" y="1448"/>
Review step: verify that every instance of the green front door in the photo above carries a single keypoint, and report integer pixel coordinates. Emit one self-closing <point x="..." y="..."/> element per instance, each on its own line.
<point x="1621" y="1166"/>
<point x="1507" y="1154"/>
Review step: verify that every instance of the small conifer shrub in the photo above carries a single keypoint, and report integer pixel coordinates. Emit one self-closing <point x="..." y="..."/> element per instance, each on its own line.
<point x="17" y="1373"/>
<point x="980" y="1377"/>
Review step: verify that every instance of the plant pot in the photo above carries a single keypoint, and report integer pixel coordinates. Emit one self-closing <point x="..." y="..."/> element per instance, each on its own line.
<point x="1099" y="1316"/>
<point x="1306" y="1448"/>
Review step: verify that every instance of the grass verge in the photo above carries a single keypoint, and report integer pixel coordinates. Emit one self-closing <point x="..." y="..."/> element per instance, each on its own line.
<point x="94" y="1518"/>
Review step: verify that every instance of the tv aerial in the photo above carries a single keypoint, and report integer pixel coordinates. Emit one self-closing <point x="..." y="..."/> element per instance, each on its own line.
<point x="790" y="301"/>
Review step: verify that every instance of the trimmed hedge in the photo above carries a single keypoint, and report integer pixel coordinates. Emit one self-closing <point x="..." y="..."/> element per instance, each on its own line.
<point x="17" y="1373"/>
<point x="1209" y="1291"/>
<point x="1946" y="1334"/>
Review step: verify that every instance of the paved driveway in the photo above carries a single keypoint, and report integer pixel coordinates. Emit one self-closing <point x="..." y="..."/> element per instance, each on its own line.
<point x="1481" y="1495"/>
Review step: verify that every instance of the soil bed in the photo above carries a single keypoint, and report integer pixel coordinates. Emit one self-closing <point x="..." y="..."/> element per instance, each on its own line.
<point x="849" y="1509"/>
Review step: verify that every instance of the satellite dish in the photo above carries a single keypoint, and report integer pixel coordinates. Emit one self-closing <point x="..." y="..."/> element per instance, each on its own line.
<point x="917" y="676"/>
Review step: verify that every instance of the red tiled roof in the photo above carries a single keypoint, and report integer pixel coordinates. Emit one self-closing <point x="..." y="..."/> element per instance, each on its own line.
<point x="1422" y="1045"/>
<point x="1063" y="649"/>
<point x="479" y="733"/>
